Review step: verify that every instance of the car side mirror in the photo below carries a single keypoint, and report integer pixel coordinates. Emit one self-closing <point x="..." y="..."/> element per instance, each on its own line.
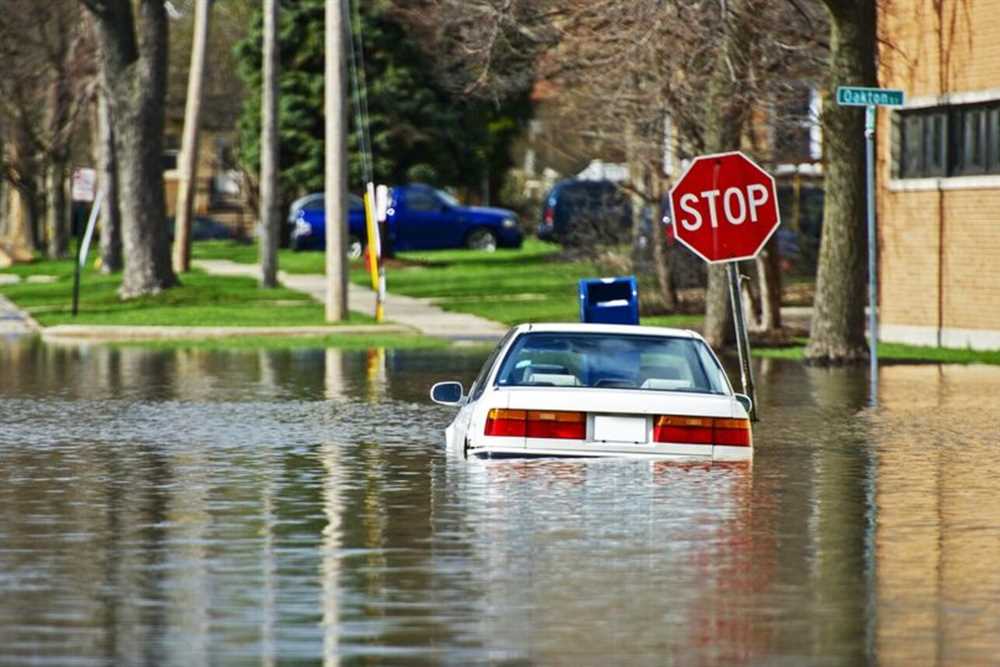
<point x="447" y="393"/>
<point x="745" y="401"/>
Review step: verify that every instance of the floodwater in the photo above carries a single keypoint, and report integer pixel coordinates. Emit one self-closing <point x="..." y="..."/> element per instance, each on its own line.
<point x="295" y="507"/>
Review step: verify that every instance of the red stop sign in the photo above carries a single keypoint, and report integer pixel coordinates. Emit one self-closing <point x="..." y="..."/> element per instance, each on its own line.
<point x="724" y="208"/>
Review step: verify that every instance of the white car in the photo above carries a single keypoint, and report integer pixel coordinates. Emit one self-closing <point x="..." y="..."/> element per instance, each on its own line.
<point x="599" y="390"/>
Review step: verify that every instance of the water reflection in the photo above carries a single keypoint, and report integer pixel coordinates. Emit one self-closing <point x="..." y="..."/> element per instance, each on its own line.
<point x="270" y="507"/>
<point x="938" y="537"/>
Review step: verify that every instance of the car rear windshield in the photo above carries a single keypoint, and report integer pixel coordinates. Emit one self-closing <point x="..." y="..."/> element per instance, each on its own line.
<point x="621" y="361"/>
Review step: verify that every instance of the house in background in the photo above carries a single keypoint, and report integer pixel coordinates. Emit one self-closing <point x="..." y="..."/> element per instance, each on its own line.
<point x="939" y="174"/>
<point x="218" y="185"/>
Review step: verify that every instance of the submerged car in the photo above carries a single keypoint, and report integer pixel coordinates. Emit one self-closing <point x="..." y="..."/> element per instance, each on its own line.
<point x="599" y="390"/>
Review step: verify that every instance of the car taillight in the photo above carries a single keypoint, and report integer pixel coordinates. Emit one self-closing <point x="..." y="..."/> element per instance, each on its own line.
<point x="569" y="425"/>
<point x="702" y="430"/>
<point x="673" y="428"/>
<point x="733" y="432"/>
<point x="536" y="424"/>
<point x="506" y="423"/>
<point x="549" y="215"/>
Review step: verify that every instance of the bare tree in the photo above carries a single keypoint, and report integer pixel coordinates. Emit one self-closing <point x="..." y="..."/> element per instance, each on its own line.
<point x="49" y="52"/>
<point x="639" y="74"/>
<point x="107" y="179"/>
<point x="132" y="46"/>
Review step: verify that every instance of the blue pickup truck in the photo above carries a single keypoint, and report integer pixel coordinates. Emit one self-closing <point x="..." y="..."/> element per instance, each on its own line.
<point x="418" y="217"/>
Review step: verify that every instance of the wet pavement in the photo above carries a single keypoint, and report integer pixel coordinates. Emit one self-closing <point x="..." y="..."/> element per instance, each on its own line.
<point x="296" y="507"/>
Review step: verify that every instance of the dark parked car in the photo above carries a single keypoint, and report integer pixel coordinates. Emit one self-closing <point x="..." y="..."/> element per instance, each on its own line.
<point x="585" y="212"/>
<point x="418" y="217"/>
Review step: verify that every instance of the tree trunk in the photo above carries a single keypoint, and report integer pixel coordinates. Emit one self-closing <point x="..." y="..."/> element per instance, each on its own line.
<point x="56" y="211"/>
<point x="718" y="330"/>
<point x="25" y="222"/>
<point x="661" y="265"/>
<point x="838" y="322"/>
<point x="751" y="305"/>
<point x="6" y="228"/>
<point x="269" y="214"/>
<point x="769" y="274"/>
<point x="23" y="225"/>
<point x="107" y="180"/>
<point x="726" y="112"/>
<point x="133" y="54"/>
<point x="188" y="181"/>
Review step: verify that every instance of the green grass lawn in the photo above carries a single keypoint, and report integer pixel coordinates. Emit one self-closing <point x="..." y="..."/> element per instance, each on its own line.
<point x="202" y="300"/>
<point x="247" y="253"/>
<point x="530" y="284"/>
<point x="509" y="286"/>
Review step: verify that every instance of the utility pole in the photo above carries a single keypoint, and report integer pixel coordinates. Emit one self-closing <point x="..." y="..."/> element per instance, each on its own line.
<point x="269" y="150"/>
<point x="336" y="162"/>
<point x="187" y="185"/>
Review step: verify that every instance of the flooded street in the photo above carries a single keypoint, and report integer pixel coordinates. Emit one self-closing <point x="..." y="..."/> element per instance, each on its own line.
<point x="296" y="507"/>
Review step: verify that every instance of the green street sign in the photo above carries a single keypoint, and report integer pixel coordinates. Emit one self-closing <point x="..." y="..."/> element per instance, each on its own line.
<point x="851" y="96"/>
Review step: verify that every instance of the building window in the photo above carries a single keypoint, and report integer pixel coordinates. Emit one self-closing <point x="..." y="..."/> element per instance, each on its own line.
<point x="973" y="156"/>
<point x="956" y="140"/>
<point x="792" y="125"/>
<point x="170" y="160"/>
<point x="993" y="141"/>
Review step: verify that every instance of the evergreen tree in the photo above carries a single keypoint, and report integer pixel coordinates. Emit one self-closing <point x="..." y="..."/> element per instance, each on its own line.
<point x="420" y="131"/>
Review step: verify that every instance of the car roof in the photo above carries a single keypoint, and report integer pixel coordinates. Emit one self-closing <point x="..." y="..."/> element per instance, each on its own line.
<point x="627" y="329"/>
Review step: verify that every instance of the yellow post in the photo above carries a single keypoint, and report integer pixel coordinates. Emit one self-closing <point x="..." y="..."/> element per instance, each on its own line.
<point x="374" y="249"/>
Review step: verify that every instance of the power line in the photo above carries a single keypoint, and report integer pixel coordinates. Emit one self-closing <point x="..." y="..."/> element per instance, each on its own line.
<point x="359" y="87"/>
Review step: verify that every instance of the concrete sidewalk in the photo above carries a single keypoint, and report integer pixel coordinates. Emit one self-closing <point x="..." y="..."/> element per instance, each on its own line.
<point x="420" y="314"/>
<point x="14" y="321"/>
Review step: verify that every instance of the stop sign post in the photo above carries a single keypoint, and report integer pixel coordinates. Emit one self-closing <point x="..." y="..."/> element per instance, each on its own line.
<point x="724" y="208"/>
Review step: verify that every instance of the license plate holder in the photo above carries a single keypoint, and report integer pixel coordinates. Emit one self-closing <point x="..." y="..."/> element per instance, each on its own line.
<point x="616" y="428"/>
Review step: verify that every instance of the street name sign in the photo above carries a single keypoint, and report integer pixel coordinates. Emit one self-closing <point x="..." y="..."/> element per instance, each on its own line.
<point x="724" y="207"/>
<point x="853" y="96"/>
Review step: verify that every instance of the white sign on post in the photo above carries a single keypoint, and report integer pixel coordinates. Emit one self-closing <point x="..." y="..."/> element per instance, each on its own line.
<point x="84" y="184"/>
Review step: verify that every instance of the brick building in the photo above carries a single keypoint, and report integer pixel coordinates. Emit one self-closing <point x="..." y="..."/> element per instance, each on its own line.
<point x="939" y="174"/>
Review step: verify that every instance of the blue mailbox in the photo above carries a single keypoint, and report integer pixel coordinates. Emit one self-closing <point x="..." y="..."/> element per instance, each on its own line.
<point x="609" y="300"/>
